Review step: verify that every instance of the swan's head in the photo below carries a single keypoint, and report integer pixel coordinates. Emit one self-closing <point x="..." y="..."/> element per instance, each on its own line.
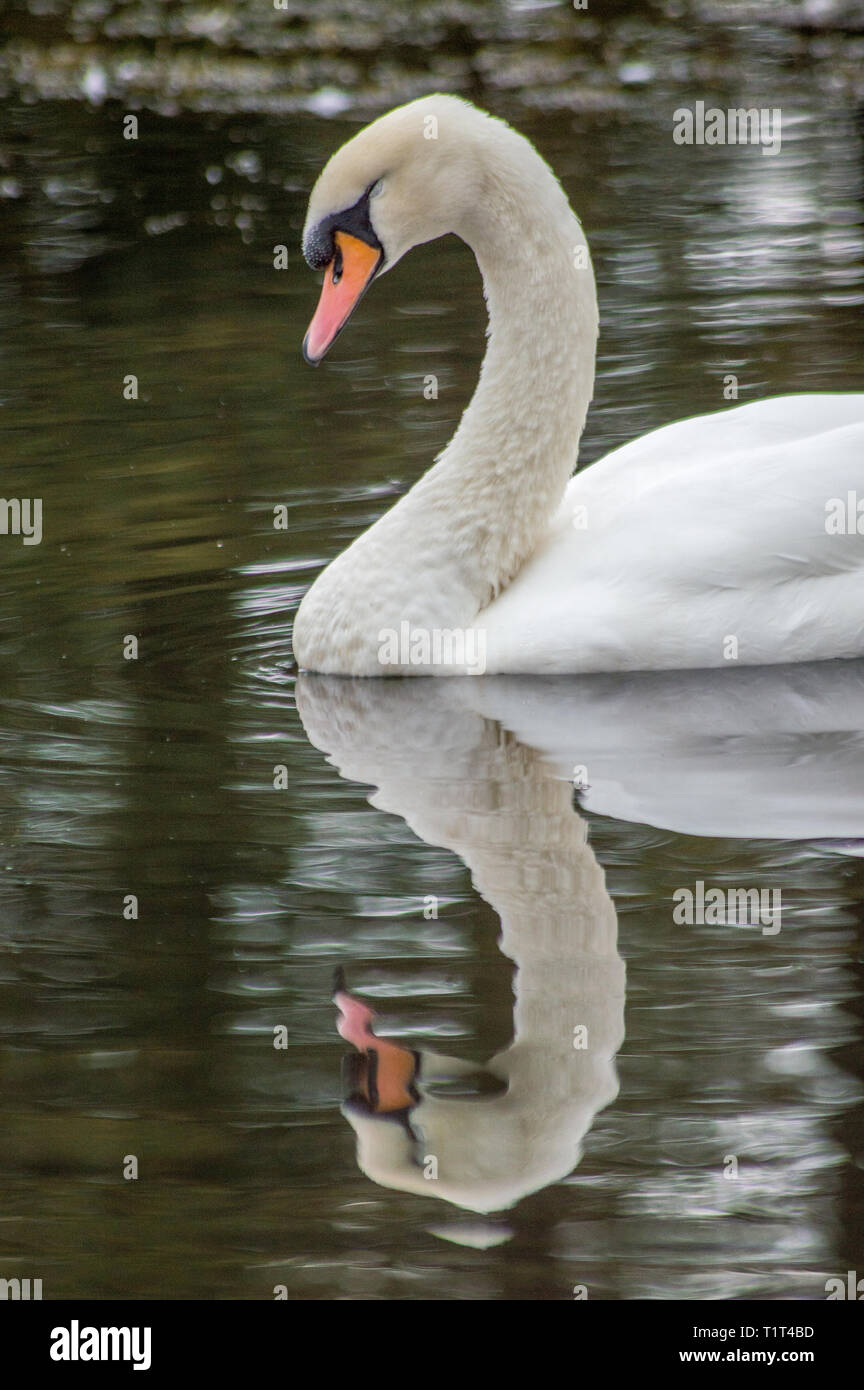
<point x="413" y="175"/>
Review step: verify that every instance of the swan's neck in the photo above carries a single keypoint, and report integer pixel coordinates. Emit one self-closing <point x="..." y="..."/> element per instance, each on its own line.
<point x="507" y="465"/>
<point x="438" y="557"/>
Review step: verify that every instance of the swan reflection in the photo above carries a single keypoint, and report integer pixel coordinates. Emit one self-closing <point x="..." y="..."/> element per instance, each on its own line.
<point x="434" y="1124"/>
<point x="483" y="768"/>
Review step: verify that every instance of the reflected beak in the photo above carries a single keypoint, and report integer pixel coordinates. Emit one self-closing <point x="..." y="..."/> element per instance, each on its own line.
<point x="346" y="280"/>
<point x="383" y="1073"/>
<point x="390" y="1078"/>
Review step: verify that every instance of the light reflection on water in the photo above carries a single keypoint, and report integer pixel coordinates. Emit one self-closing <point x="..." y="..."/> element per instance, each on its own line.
<point x="153" y="1035"/>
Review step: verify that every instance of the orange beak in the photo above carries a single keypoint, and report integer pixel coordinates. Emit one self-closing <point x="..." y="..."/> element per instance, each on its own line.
<point x="346" y="280"/>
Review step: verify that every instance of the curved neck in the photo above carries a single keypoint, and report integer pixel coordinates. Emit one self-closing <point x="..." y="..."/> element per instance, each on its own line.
<point x="517" y="444"/>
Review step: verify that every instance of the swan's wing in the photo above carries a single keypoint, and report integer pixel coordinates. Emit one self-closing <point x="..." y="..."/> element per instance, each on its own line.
<point x="726" y="526"/>
<point x="778" y="421"/>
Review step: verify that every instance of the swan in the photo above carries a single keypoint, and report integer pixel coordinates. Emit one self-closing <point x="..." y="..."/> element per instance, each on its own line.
<point x="729" y="537"/>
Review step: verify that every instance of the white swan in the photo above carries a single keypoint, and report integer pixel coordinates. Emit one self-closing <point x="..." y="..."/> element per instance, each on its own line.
<point x="724" y="537"/>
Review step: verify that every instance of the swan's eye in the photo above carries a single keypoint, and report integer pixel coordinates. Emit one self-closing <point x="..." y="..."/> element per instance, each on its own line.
<point x="376" y="188"/>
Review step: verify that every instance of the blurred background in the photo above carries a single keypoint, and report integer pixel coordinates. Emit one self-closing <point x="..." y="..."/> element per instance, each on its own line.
<point x="153" y="257"/>
<point x="331" y="55"/>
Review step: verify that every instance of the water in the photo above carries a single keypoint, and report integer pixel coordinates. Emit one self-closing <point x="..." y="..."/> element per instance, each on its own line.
<point x="152" y="1036"/>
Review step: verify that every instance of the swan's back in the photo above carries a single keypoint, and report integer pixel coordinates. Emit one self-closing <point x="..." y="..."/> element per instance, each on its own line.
<point x="705" y="542"/>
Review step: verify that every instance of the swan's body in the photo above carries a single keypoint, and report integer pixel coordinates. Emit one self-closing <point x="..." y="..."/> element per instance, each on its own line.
<point x="704" y="543"/>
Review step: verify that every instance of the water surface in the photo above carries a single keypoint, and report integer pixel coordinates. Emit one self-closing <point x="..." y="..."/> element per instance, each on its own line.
<point x="154" y="777"/>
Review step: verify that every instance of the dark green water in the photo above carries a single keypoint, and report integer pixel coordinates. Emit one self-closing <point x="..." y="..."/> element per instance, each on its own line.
<point x="154" y="777"/>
